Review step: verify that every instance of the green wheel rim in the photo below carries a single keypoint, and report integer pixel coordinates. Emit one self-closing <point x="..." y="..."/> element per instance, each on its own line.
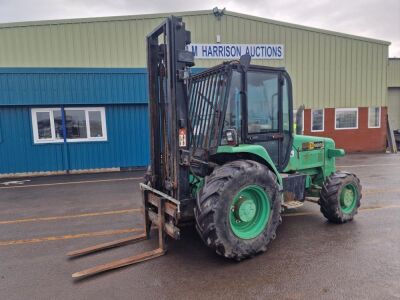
<point x="250" y="211"/>
<point x="348" y="198"/>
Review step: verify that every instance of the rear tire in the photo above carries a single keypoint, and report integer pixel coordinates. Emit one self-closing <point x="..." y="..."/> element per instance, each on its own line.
<point x="238" y="209"/>
<point x="340" y="197"/>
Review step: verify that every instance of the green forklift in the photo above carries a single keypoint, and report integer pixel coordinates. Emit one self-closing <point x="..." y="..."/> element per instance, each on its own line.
<point x="225" y="157"/>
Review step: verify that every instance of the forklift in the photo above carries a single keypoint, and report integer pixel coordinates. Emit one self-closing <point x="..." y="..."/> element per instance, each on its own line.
<point x="224" y="156"/>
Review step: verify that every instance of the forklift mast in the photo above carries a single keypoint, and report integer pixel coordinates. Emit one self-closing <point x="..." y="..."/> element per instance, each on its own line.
<point x="168" y="75"/>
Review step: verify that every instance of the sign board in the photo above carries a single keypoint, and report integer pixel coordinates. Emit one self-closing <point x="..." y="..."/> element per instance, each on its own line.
<point x="234" y="51"/>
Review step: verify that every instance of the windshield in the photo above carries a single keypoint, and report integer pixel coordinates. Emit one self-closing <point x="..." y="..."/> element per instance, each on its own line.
<point x="262" y="105"/>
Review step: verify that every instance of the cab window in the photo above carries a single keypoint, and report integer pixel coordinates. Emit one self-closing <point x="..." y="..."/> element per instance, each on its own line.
<point x="262" y="105"/>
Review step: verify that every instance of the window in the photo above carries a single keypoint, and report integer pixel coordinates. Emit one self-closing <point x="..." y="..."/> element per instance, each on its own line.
<point x="317" y="120"/>
<point x="233" y="115"/>
<point x="374" y="117"/>
<point x="262" y="102"/>
<point x="44" y="130"/>
<point x="285" y="100"/>
<point x="346" y="118"/>
<point x="81" y="125"/>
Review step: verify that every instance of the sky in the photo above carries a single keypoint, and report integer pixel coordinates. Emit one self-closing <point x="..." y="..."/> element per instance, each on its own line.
<point x="379" y="19"/>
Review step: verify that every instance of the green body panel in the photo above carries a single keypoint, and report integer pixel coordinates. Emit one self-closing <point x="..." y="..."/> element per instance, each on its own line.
<point x="335" y="153"/>
<point x="252" y="149"/>
<point x="317" y="161"/>
<point x="308" y="181"/>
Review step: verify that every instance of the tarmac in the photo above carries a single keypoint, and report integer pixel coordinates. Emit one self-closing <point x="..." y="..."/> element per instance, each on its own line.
<point x="43" y="218"/>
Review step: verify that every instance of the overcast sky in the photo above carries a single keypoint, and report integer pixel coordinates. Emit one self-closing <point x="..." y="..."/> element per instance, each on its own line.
<point x="378" y="19"/>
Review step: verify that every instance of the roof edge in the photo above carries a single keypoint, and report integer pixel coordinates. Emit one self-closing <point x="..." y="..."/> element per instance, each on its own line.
<point x="102" y="19"/>
<point x="189" y="13"/>
<point x="307" y="28"/>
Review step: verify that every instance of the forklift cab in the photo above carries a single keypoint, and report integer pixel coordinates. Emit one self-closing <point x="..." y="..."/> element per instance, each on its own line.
<point x="259" y="111"/>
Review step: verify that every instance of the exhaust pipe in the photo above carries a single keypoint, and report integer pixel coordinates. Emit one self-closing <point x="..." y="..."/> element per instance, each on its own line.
<point x="299" y="119"/>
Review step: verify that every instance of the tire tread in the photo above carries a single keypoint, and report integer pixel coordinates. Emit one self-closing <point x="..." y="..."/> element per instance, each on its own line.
<point x="329" y="194"/>
<point x="208" y="202"/>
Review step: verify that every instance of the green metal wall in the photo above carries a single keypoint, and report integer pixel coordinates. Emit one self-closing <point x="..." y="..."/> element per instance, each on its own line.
<point x="328" y="69"/>
<point x="394" y="107"/>
<point x="394" y="72"/>
<point x="394" y="92"/>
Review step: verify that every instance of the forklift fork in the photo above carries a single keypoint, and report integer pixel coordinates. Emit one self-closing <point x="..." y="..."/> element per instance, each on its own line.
<point x="167" y="208"/>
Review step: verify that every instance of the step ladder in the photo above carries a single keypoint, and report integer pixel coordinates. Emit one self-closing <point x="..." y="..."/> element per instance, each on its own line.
<point x="292" y="204"/>
<point x="160" y="210"/>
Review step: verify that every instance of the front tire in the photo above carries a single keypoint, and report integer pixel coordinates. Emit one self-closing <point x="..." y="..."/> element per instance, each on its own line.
<point x="340" y="197"/>
<point x="238" y="209"/>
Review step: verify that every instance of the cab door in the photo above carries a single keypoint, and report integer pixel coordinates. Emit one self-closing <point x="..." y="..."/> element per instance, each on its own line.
<point x="268" y="113"/>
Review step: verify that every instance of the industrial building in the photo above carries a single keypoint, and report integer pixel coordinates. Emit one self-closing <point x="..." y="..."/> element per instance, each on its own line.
<point x="73" y="93"/>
